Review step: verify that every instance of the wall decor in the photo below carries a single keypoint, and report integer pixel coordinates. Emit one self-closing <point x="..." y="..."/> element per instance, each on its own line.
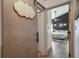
<point x="23" y="9"/>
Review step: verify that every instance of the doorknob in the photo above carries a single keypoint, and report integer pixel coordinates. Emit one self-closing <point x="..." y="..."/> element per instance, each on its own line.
<point x="68" y="32"/>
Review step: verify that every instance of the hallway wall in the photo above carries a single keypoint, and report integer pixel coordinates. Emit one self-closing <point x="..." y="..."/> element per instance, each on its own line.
<point x="49" y="29"/>
<point x="75" y="9"/>
<point x="41" y="30"/>
<point x="19" y="33"/>
<point x="0" y="26"/>
<point x="44" y="29"/>
<point x="77" y="38"/>
<point x="78" y="6"/>
<point x="77" y="33"/>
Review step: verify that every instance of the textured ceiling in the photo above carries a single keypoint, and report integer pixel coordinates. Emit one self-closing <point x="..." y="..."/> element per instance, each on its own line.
<point x="51" y="3"/>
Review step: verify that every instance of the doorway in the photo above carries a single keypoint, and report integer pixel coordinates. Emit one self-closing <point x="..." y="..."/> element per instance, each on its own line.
<point x="77" y="37"/>
<point x="57" y="31"/>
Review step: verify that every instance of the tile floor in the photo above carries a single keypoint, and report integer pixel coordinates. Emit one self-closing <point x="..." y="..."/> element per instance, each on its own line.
<point x="59" y="49"/>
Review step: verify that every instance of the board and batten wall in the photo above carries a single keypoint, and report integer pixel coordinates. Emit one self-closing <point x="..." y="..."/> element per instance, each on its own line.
<point x="0" y="26"/>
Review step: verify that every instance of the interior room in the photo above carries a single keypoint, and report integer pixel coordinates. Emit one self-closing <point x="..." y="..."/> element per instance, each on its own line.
<point x="39" y="28"/>
<point x="77" y="38"/>
<point x="57" y="31"/>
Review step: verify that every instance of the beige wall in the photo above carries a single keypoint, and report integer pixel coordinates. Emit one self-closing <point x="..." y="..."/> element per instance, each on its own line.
<point x="45" y="35"/>
<point x="72" y="27"/>
<point x="19" y="33"/>
<point x="49" y="29"/>
<point x="41" y="30"/>
<point x="78" y="5"/>
<point x="0" y="27"/>
<point x="75" y="8"/>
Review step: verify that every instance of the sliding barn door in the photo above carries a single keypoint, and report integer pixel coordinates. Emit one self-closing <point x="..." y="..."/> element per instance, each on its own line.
<point x="19" y="34"/>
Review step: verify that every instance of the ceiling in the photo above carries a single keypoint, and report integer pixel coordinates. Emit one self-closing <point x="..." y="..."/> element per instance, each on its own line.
<point x="51" y="3"/>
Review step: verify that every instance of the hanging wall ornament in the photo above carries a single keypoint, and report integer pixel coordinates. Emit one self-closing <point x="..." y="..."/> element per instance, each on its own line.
<point x="24" y="9"/>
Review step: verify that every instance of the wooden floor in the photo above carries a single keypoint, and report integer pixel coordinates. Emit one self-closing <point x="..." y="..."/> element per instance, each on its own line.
<point x="59" y="49"/>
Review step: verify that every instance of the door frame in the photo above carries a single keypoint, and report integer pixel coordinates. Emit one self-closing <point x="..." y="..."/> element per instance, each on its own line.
<point x="71" y="25"/>
<point x="72" y="17"/>
<point x="1" y="1"/>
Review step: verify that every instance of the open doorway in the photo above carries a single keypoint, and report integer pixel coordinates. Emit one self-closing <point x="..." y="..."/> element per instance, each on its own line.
<point x="76" y="42"/>
<point x="77" y="37"/>
<point x="57" y="31"/>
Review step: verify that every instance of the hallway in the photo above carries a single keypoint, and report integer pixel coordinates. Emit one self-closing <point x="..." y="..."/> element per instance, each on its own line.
<point x="59" y="49"/>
